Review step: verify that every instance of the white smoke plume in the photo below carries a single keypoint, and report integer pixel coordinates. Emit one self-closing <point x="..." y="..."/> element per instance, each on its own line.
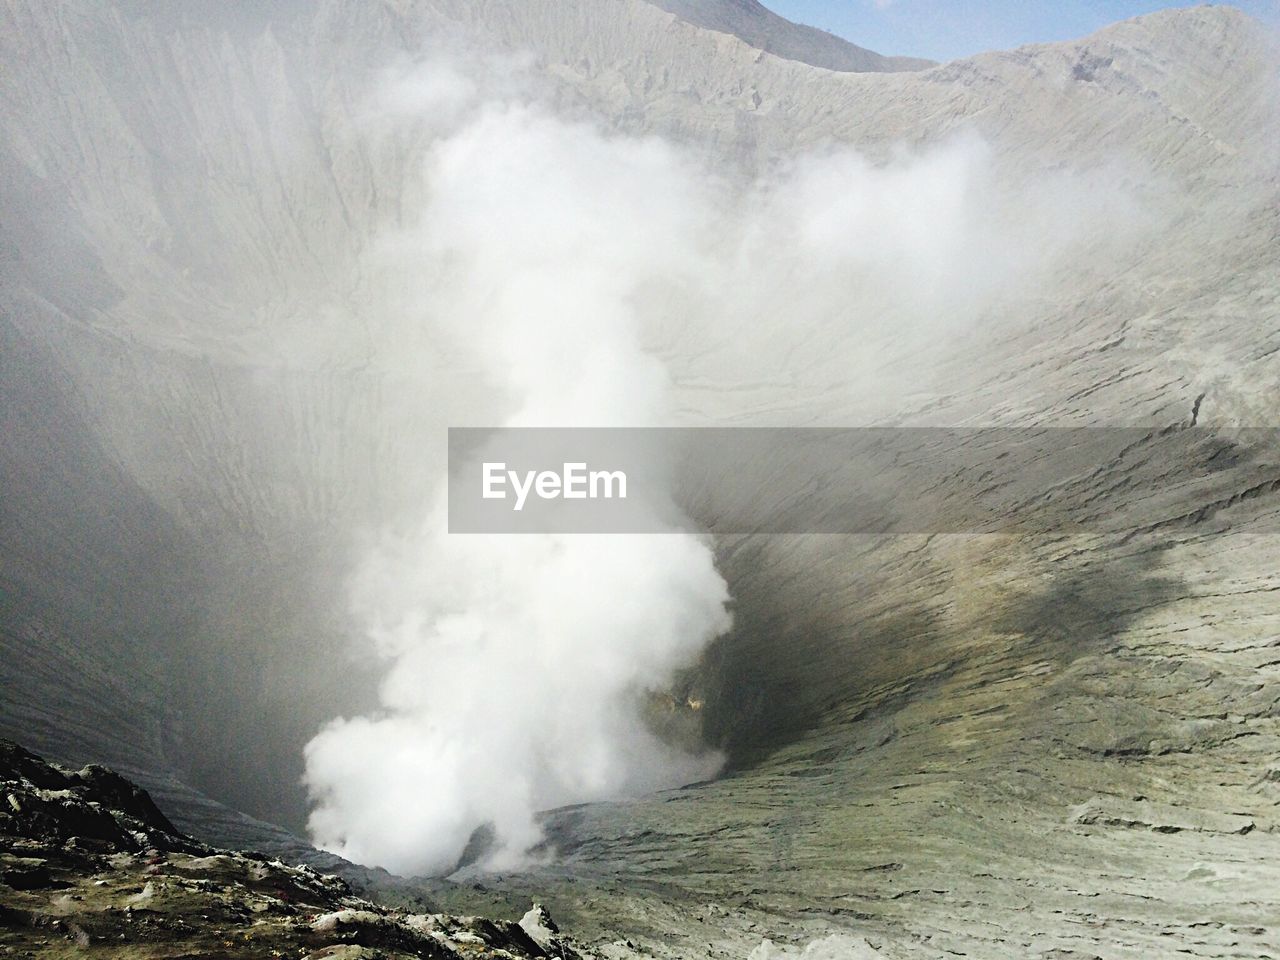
<point x="517" y="663"/>
<point x="560" y="263"/>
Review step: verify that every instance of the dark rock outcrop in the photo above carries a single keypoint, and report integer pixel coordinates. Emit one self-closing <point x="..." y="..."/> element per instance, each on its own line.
<point x="88" y="863"/>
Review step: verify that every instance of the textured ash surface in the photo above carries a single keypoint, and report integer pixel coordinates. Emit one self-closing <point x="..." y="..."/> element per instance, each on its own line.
<point x="991" y="747"/>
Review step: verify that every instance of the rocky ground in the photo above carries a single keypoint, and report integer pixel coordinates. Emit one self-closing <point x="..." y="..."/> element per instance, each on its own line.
<point x="89" y="867"/>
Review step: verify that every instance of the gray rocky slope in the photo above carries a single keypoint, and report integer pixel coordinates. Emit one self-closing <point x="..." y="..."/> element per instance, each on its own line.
<point x="984" y="746"/>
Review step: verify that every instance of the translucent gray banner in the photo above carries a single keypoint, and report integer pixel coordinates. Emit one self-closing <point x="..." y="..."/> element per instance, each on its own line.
<point x="883" y="480"/>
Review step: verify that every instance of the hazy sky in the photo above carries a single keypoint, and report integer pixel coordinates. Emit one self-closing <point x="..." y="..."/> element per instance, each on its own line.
<point x="946" y="29"/>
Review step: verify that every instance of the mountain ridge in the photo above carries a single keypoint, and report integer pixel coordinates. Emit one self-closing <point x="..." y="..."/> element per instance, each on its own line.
<point x="756" y="25"/>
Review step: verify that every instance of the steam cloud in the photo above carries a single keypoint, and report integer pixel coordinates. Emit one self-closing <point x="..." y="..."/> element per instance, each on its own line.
<point x="517" y="664"/>
<point x="561" y="262"/>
